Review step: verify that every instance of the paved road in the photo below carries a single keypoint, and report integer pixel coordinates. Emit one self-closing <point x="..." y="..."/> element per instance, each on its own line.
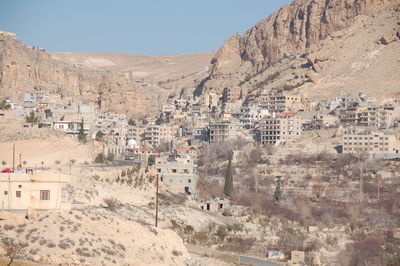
<point x="255" y="262"/>
<point x="116" y="163"/>
<point x="229" y="255"/>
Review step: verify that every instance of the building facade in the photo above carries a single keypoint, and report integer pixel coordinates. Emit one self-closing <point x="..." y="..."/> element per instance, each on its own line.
<point x="19" y="191"/>
<point x="280" y="128"/>
<point x="370" y="142"/>
<point x="178" y="172"/>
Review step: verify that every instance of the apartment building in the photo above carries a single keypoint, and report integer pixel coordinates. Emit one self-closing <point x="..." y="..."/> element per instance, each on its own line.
<point x="233" y="94"/>
<point x="273" y="102"/>
<point x="251" y="115"/>
<point x="380" y="117"/>
<point x="225" y="130"/>
<point x="158" y="134"/>
<point x="177" y="171"/>
<point x="231" y="109"/>
<point x="280" y="128"/>
<point x="357" y="141"/>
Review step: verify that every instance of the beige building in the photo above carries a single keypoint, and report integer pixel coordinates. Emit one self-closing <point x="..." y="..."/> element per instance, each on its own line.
<point x="177" y="171"/>
<point x="280" y="128"/>
<point x="158" y="134"/>
<point x="215" y="205"/>
<point x="369" y="142"/>
<point x="19" y="191"/>
<point x="225" y="130"/>
<point x="233" y="94"/>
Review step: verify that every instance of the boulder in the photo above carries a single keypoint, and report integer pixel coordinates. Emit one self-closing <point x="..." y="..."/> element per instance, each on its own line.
<point x="387" y="39"/>
<point x="30" y="214"/>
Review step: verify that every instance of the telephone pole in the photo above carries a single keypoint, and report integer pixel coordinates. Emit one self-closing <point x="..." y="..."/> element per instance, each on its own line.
<point x="156" y="200"/>
<point x="13" y="167"/>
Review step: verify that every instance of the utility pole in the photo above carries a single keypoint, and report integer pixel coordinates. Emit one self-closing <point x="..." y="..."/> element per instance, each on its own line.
<point x="156" y="200"/>
<point x="20" y="164"/>
<point x="361" y="178"/>
<point x="13" y="158"/>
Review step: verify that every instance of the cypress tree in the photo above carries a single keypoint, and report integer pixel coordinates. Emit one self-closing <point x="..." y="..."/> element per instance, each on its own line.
<point x="82" y="135"/>
<point x="278" y="194"/>
<point x="229" y="178"/>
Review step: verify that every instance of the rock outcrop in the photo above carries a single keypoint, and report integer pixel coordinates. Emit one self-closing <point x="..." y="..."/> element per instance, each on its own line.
<point x="115" y="83"/>
<point x="292" y="30"/>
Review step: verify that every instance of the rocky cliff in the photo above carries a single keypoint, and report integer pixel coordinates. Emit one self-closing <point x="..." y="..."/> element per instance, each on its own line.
<point x="293" y="30"/>
<point x="116" y="83"/>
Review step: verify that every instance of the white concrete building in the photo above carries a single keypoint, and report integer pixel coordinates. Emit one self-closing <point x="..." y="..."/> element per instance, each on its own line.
<point x="178" y="171"/>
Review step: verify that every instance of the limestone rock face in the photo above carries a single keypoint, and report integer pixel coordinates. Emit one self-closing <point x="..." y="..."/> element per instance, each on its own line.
<point x="290" y="31"/>
<point x="24" y="69"/>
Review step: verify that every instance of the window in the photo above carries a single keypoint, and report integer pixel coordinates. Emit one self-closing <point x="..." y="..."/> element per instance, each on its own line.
<point x="18" y="194"/>
<point x="190" y="181"/>
<point x="19" y="186"/>
<point x="158" y="170"/>
<point x="5" y="192"/>
<point x="173" y="170"/>
<point x="45" y="195"/>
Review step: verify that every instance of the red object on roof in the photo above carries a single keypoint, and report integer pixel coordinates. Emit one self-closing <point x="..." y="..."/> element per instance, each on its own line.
<point x="7" y="170"/>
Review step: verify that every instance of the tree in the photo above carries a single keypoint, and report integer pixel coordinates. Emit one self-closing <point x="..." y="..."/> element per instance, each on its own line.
<point x="131" y="122"/>
<point x="228" y="188"/>
<point x="277" y="194"/>
<point x="4" y="105"/>
<point x="151" y="160"/>
<point x="100" y="158"/>
<point x="81" y="134"/>
<point x="110" y="157"/>
<point x="99" y="136"/>
<point x="32" y="118"/>
<point x="159" y="120"/>
<point x="12" y="249"/>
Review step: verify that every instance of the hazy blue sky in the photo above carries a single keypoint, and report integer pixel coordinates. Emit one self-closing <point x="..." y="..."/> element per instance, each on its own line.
<point x="150" y="27"/>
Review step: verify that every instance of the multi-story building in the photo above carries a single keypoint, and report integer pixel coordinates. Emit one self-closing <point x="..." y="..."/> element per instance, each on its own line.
<point x="233" y="94"/>
<point x="231" y="109"/>
<point x="273" y="102"/>
<point x="380" y="117"/>
<point x="225" y="130"/>
<point x="251" y="115"/>
<point x="280" y="128"/>
<point x="177" y="171"/>
<point x="362" y="141"/>
<point x="158" y="134"/>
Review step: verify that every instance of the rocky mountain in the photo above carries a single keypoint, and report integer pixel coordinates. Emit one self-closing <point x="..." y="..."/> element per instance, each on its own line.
<point x="136" y="85"/>
<point x="338" y="41"/>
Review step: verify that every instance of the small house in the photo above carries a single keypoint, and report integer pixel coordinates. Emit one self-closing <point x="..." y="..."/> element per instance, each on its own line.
<point x="20" y="191"/>
<point x="215" y="205"/>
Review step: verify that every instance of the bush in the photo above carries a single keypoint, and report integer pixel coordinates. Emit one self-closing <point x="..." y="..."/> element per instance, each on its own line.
<point x="112" y="204"/>
<point x="222" y="232"/>
<point x="100" y="158"/>
<point x="199" y="238"/>
<point x="239" y="244"/>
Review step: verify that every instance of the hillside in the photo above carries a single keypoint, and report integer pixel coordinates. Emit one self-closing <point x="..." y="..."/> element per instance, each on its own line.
<point x="329" y="47"/>
<point x="136" y="85"/>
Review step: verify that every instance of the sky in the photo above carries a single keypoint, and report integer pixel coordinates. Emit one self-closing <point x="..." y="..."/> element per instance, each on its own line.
<point x="146" y="27"/>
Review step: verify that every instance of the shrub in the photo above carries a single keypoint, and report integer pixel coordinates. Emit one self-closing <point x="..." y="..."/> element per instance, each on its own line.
<point x="200" y="238"/>
<point x="100" y="158"/>
<point x="176" y="253"/>
<point x="239" y="244"/>
<point x="112" y="204"/>
<point x="222" y="232"/>
<point x="8" y="227"/>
